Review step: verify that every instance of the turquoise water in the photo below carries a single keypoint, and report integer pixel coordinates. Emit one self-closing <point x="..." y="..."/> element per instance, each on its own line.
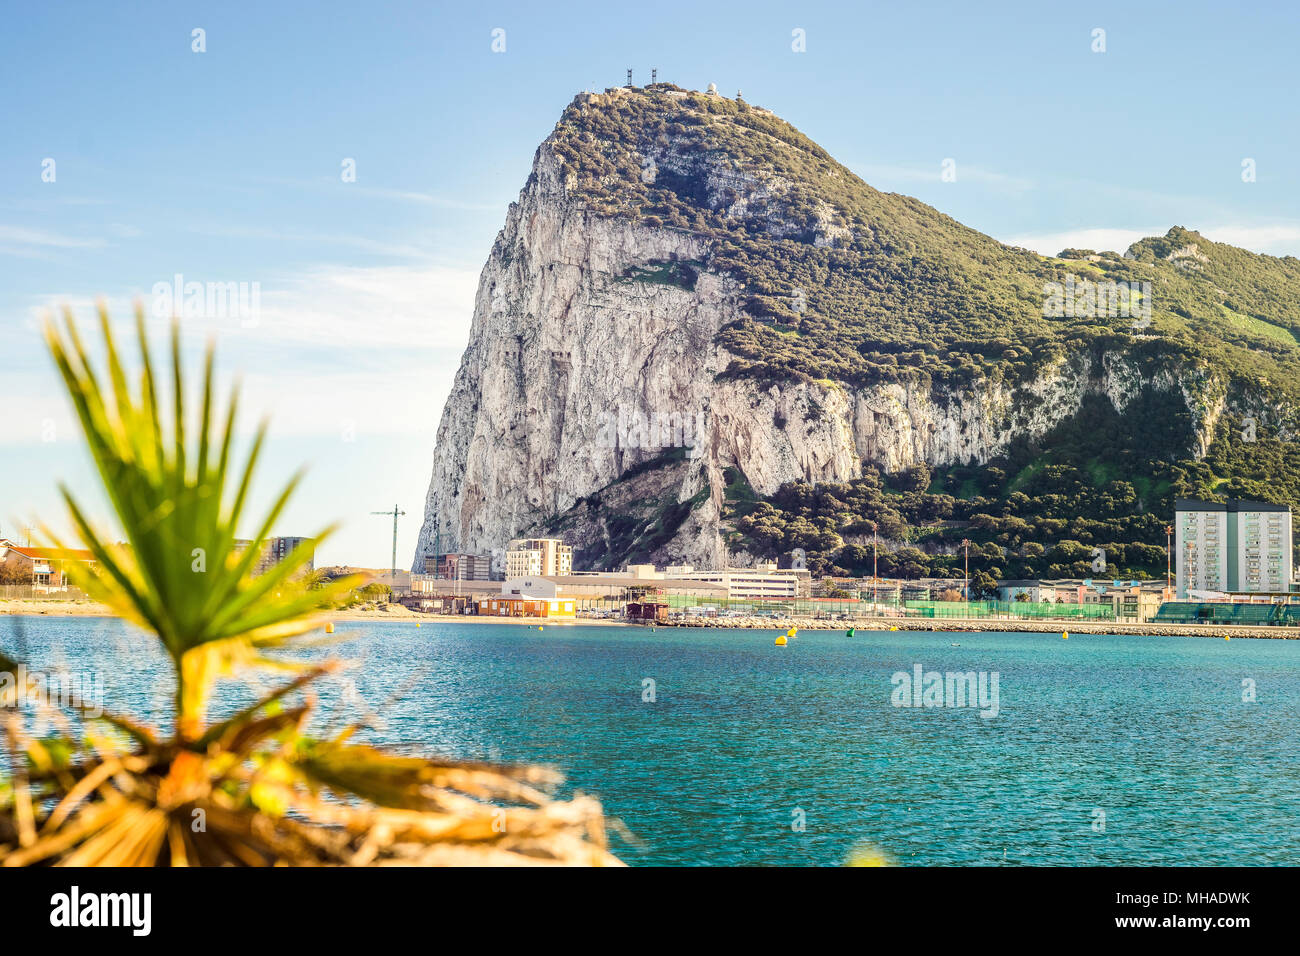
<point x="744" y="735"/>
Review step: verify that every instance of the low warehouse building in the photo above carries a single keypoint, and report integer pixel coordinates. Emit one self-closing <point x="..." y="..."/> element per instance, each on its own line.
<point x="527" y="606"/>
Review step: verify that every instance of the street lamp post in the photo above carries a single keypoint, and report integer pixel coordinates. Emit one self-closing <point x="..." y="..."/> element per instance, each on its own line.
<point x="875" y="572"/>
<point x="965" y="544"/>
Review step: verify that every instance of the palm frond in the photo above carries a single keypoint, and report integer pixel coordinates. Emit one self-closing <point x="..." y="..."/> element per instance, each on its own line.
<point x="254" y="789"/>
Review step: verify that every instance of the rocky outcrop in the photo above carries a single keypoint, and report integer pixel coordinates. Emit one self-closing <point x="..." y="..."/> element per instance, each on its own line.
<point x="593" y="351"/>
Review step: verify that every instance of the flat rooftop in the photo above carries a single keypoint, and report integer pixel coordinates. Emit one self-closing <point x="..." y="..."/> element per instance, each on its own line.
<point x="630" y="581"/>
<point x="1232" y="504"/>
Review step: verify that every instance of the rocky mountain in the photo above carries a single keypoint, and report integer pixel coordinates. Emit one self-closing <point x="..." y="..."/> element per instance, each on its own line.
<point x="700" y="339"/>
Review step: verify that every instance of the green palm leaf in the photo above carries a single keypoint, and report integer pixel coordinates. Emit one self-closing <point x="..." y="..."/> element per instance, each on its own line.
<point x="180" y="500"/>
<point x="179" y="572"/>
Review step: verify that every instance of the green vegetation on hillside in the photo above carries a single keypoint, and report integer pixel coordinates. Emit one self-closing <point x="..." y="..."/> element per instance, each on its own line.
<point x="881" y="287"/>
<point x="628" y="520"/>
<point x="1036" y="512"/>
<point x="843" y="283"/>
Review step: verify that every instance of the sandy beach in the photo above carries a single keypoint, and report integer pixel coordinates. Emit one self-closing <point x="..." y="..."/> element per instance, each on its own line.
<point x="383" y="612"/>
<point x="54" y="608"/>
<point x="396" y="612"/>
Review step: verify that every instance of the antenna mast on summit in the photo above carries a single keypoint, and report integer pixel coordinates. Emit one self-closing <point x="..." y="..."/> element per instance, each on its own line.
<point x="654" y="76"/>
<point x="629" y="77"/>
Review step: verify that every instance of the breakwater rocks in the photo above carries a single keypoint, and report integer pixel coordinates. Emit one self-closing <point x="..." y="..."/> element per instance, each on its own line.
<point x="955" y="626"/>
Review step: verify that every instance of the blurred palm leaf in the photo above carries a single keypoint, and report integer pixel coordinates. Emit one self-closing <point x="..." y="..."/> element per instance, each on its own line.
<point x="181" y="574"/>
<point x="263" y="790"/>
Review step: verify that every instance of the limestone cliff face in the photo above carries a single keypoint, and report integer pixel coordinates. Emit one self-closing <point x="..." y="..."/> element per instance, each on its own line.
<point x="593" y="350"/>
<point x="559" y="339"/>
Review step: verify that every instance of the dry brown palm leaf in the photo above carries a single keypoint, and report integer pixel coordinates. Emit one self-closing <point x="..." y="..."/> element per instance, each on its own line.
<point x="254" y="789"/>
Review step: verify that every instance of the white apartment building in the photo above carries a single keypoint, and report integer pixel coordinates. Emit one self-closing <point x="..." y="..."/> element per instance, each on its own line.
<point x="760" y="581"/>
<point x="1240" y="546"/>
<point x="275" y="550"/>
<point x="538" y="557"/>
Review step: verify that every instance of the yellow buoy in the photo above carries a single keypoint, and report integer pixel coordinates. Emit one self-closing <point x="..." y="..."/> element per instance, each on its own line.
<point x="417" y="623"/>
<point x="1226" y="637"/>
<point x="868" y="854"/>
<point x="894" y="627"/>
<point x="1065" y="635"/>
<point x="540" y="628"/>
<point x="329" y="627"/>
<point x="780" y="641"/>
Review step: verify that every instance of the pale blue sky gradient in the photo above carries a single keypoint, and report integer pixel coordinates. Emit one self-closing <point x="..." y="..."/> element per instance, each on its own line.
<point x="225" y="166"/>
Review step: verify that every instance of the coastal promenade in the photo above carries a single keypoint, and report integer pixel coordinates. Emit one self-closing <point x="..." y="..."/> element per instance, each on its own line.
<point x="959" y="625"/>
<point x="363" y="612"/>
<point x="395" y="612"/>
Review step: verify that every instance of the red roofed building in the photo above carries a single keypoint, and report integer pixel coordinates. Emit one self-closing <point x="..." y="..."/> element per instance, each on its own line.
<point x="47" y="567"/>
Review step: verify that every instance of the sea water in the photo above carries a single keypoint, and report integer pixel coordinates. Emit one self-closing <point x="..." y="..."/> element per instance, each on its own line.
<point x="719" y="747"/>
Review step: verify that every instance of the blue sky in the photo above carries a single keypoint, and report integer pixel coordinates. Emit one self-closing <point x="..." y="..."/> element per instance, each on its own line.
<point x="225" y="166"/>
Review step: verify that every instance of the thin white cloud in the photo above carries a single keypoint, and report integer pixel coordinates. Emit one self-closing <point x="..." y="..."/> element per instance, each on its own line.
<point x="375" y="346"/>
<point x="384" y="192"/>
<point x="356" y="308"/>
<point x="364" y="243"/>
<point x="883" y="175"/>
<point x="25" y="252"/>
<point x="353" y="308"/>
<point x="39" y="237"/>
<point x="1099" y="240"/>
<point x="1276" y="239"/>
<point x="52" y="199"/>
<point x="428" y="199"/>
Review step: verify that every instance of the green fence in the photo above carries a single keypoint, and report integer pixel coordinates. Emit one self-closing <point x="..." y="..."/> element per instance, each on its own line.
<point x="779" y="607"/>
<point x="22" y="592"/>
<point x="1192" y="612"/>
<point x="1016" y="610"/>
<point x="888" y="606"/>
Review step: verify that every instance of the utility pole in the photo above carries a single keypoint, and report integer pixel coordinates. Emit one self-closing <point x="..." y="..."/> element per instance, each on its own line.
<point x="392" y="581"/>
<point x="875" y="569"/>
<point x="965" y="544"/>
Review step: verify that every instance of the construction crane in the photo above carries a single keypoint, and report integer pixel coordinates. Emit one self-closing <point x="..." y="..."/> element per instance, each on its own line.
<point x="395" y="513"/>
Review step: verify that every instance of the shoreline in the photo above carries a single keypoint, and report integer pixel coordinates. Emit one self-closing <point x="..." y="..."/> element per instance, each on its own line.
<point x="391" y="612"/>
<point x="984" y="625"/>
<point x="397" y="613"/>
